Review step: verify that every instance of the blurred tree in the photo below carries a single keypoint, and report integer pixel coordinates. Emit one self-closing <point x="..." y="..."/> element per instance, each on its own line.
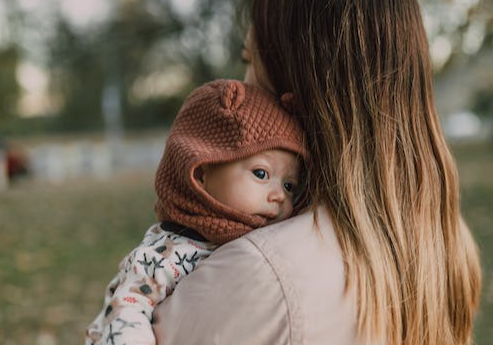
<point x="76" y="68"/>
<point x="211" y="42"/>
<point x="483" y="102"/>
<point x="141" y="43"/>
<point x="457" y="29"/>
<point x="10" y="57"/>
<point x="9" y="88"/>
<point x="82" y="65"/>
<point x="128" y="38"/>
<point x="151" y="53"/>
<point x="460" y="35"/>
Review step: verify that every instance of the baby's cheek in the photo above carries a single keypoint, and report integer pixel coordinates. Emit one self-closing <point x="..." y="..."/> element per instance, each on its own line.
<point x="288" y="211"/>
<point x="245" y="200"/>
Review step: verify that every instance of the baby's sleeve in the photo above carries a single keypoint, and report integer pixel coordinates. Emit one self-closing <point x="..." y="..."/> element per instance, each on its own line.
<point x="146" y="277"/>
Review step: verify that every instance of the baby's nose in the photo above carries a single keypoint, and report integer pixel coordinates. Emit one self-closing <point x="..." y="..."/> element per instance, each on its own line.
<point x="276" y="193"/>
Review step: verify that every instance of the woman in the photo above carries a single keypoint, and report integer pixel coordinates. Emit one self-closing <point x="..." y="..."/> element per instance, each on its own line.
<point x="391" y="261"/>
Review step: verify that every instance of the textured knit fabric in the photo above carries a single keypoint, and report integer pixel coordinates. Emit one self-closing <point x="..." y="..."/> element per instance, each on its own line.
<point x="220" y="121"/>
<point x="146" y="276"/>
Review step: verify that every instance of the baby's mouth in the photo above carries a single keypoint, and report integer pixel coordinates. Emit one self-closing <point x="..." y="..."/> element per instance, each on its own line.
<point x="271" y="217"/>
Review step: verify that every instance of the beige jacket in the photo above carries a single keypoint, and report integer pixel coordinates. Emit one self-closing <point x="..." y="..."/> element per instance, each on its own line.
<point x="282" y="284"/>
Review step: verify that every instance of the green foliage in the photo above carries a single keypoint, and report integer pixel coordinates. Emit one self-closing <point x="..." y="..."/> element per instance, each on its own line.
<point x="155" y="113"/>
<point x="9" y="88"/>
<point x="60" y="247"/>
<point x="77" y="78"/>
<point x="475" y="163"/>
<point x="139" y="40"/>
<point x="483" y="102"/>
<point x="18" y="126"/>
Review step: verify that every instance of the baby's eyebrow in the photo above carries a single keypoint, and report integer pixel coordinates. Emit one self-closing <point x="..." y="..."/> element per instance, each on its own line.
<point x="261" y="159"/>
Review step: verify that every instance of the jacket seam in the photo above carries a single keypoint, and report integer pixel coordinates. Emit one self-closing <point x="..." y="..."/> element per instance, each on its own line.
<point x="292" y="320"/>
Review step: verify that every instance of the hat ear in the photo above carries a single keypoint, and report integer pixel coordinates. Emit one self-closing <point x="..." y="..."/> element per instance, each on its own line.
<point x="232" y="95"/>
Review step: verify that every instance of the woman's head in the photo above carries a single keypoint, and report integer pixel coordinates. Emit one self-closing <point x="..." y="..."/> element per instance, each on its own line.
<point x="361" y="76"/>
<point x="359" y="69"/>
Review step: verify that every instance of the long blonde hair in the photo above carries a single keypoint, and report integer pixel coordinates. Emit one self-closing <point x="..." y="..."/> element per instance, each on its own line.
<point x="361" y="74"/>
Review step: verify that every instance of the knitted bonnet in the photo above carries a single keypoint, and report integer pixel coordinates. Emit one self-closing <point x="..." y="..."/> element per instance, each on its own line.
<point x="221" y="121"/>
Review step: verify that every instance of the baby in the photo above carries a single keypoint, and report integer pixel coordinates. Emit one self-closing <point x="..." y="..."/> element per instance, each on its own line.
<point x="232" y="163"/>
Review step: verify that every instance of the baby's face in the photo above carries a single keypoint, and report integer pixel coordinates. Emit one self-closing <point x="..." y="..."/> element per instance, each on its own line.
<point x="264" y="184"/>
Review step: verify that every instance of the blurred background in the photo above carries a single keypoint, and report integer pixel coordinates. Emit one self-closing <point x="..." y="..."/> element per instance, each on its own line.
<point x="88" y="90"/>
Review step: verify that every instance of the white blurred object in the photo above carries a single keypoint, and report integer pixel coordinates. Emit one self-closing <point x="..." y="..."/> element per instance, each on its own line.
<point x="46" y="338"/>
<point x="58" y="162"/>
<point x="102" y="162"/>
<point x="56" y="171"/>
<point x="464" y="125"/>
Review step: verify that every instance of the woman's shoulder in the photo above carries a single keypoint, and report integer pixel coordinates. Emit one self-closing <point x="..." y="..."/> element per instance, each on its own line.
<point x="306" y="261"/>
<point x="306" y="258"/>
<point x="303" y="248"/>
<point x="282" y="284"/>
<point x="308" y="237"/>
<point x="310" y="228"/>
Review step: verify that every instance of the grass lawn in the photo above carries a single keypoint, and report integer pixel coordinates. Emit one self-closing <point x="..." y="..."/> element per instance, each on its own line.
<point x="60" y="245"/>
<point x="476" y="171"/>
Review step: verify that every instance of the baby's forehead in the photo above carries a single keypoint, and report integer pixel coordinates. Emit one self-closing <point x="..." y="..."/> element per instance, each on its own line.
<point x="276" y="157"/>
<point x="274" y="154"/>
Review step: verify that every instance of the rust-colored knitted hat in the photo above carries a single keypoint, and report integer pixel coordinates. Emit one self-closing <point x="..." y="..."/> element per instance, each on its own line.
<point x="221" y="121"/>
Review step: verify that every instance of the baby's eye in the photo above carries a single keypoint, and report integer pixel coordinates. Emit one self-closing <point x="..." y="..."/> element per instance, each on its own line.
<point x="288" y="186"/>
<point x="260" y="173"/>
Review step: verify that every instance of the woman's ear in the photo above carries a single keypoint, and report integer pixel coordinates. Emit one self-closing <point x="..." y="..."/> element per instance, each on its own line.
<point x="288" y="102"/>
